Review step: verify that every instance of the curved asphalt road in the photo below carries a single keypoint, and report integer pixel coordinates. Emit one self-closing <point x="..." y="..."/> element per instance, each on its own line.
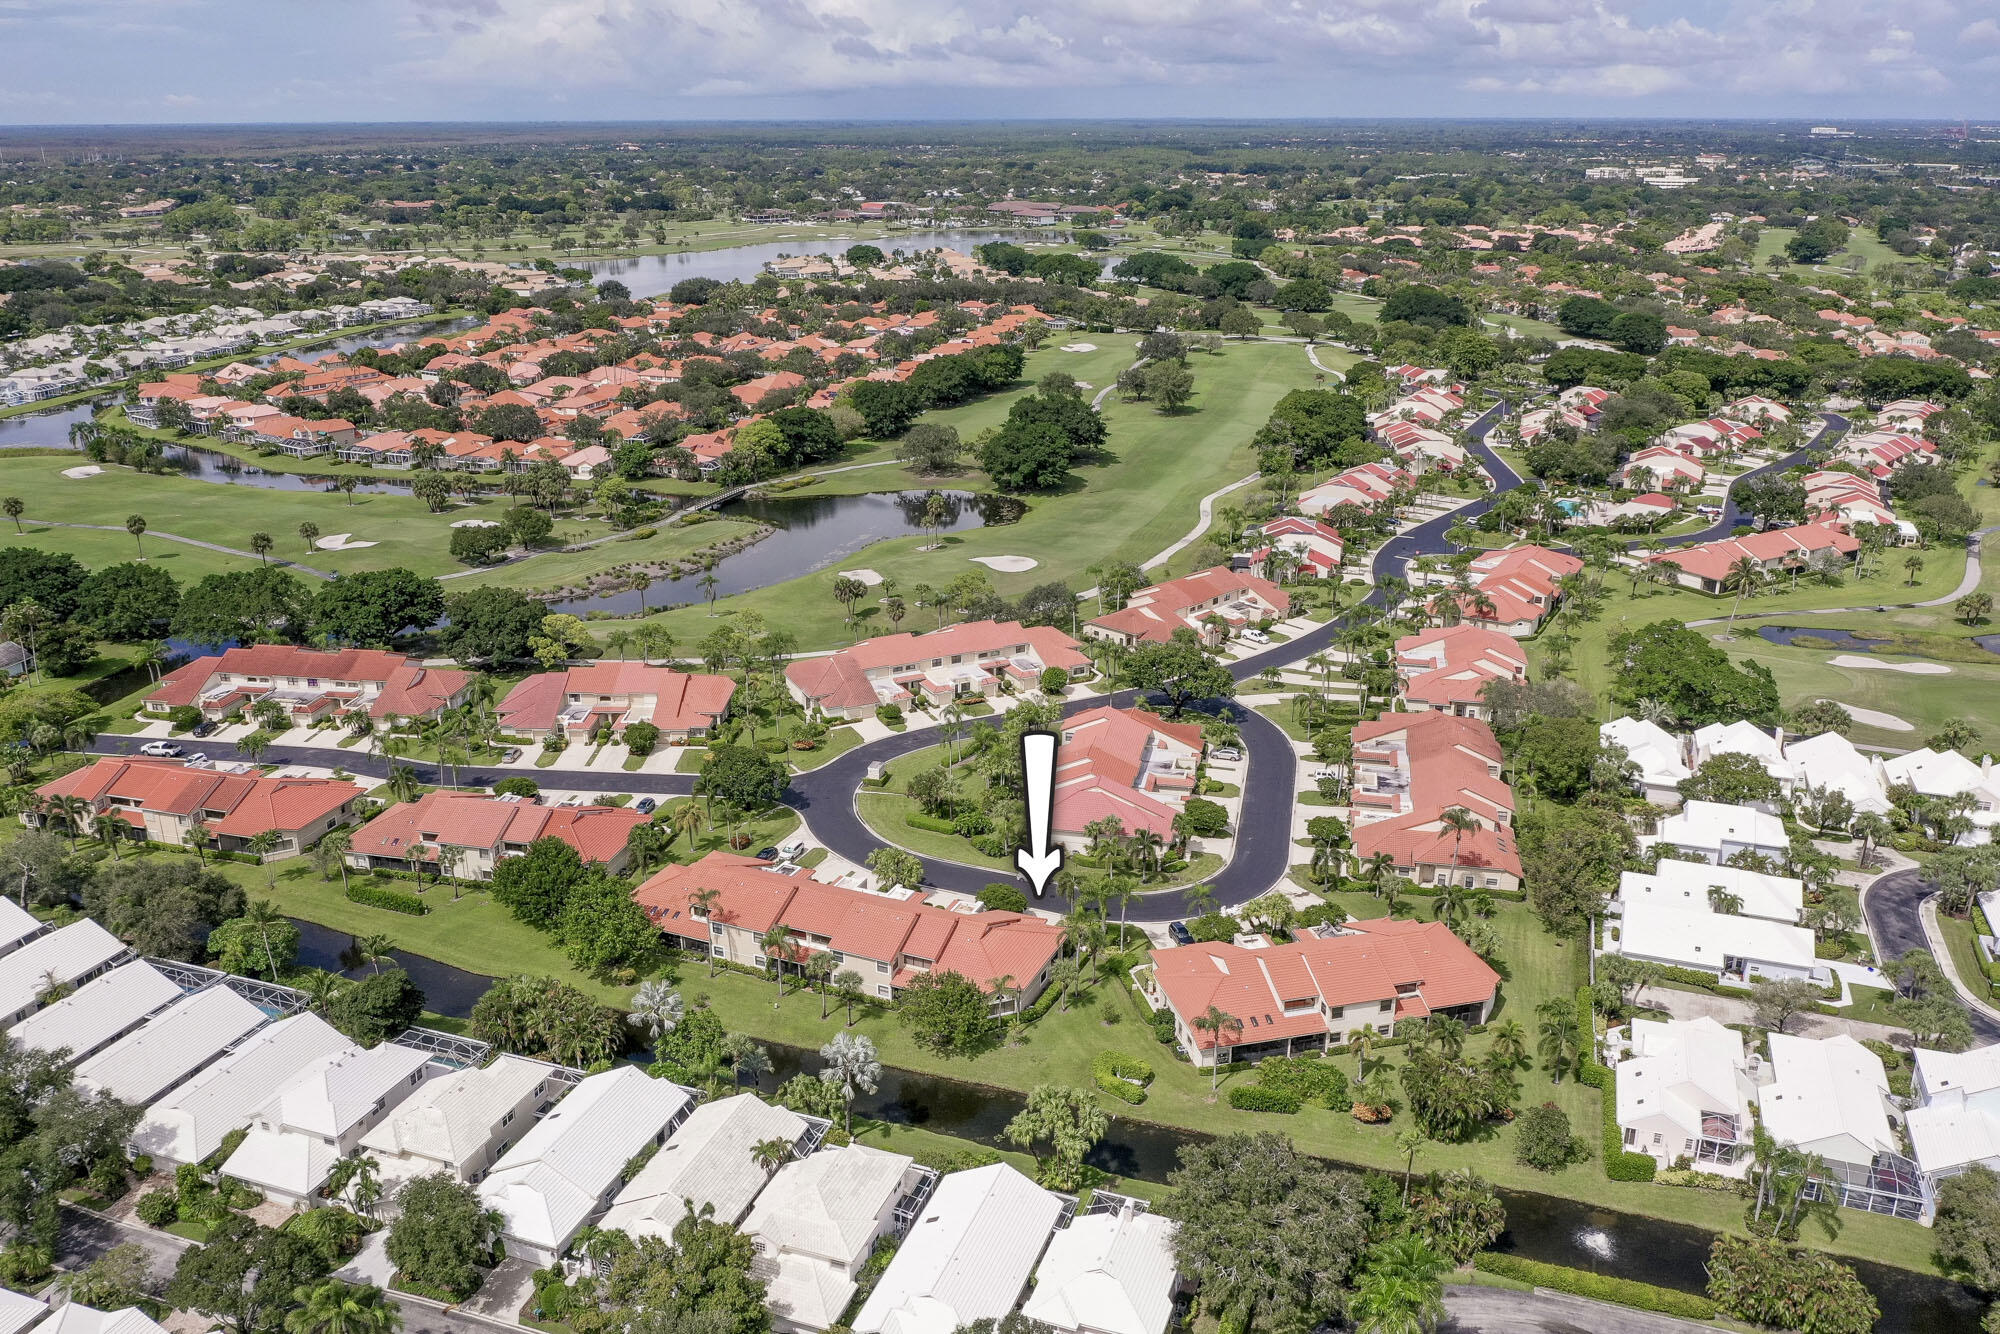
<point x="1264" y="852"/>
<point x="1891" y="906"/>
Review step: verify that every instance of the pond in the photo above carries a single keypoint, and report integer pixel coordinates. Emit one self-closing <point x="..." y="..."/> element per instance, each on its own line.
<point x="653" y="275"/>
<point x="810" y="533"/>
<point x="1540" y="1227"/>
<point x="1819" y="636"/>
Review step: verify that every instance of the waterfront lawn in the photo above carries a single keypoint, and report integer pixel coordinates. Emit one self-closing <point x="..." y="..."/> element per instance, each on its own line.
<point x="1141" y="497"/>
<point x="572" y="569"/>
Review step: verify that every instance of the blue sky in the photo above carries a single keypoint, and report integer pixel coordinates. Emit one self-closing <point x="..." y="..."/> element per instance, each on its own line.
<point x="199" y="61"/>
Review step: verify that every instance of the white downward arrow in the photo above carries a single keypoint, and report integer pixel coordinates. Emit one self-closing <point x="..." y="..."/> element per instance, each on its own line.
<point x="1039" y="860"/>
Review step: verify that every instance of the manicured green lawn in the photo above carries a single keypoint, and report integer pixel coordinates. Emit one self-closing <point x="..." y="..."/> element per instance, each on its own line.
<point x="835" y="744"/>
<point x="565" y="569"/>
<point x="1144" y="496"/>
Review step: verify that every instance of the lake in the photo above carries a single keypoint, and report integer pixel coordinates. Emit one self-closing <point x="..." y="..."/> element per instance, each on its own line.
<point x="653" y="275"/>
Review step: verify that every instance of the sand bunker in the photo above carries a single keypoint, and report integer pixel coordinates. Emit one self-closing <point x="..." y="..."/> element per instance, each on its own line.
<point x="868" y="577"/>
<point x="341" y="542"/>
<point x="87" y="470"/>
<point x="1079" y="347"/>
<point x="1006" y="564"/>
<point x="476" y="523"/>
<point x="1913" y="668"/>
<point x="1888" y="722"/>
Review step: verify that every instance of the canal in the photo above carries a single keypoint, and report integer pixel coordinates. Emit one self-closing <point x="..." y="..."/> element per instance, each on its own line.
<point x="1539" y="1227"/>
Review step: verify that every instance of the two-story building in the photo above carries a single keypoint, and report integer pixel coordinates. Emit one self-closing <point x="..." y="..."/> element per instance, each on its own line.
<point x="1214" y="604"/>
<point x="482" y="830"/>
<point x="577" y="701"/>
<point x="929" y="671"/>
<point x="1123" y="764"/>
<point x="161" y="801"/>
<point x="1446" y="669"/>
<point x="310" y="684"/>
<point x="1408" y="770"/>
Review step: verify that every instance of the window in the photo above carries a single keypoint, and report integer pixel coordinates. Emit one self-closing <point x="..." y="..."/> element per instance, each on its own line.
<point x="881" y="967"/>
<point x="720" y="952"/>
<point x="508" y="1119"/>
<point x="1658" y="1138"/>
<point x="416" y="1078"/>
<point x="1631" y="1135"/>
<point x="882" y="989"/>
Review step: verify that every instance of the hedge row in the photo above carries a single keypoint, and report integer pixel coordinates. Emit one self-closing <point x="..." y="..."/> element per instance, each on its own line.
<point x="1619" y="1165"/>
<point x="1597" y="1287"/>
<point x="393" y="900"/>
<point x="1257" y="1098"/>
<point x="1123" y="1077"/>
<point x="918" y="820"/>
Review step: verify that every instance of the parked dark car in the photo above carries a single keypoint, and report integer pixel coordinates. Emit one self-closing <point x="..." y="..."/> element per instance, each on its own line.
<point x="204" y="729"/>
<point x="1180" y="934"/>
<point x="645" y="805"/>
<point x="767" y="855"/>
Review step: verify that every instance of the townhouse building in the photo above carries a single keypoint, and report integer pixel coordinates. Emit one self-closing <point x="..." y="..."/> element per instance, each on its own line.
<point x="1214" y="604"/>
<point x="930" y="670"/>
<point x="163" y="801"/>
<point x="1408" y="770"/>
<point x="310" y="684"/>
<point x="578" y="701"/>
<point x="1447" y="669"/>
<point x="467" y="834"/>
<point x="1123" y="764"/>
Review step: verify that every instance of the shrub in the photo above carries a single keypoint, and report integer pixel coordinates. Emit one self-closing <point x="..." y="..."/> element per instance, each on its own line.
<point x="1214" y="926"/>
<point x="1003" y="897"/>
<point x="918" y="820"/>
<point x="1053" y="680"/>
<point x="970" y="823"/>
<point x="1163" y="1025"/>
<point x="889" y="714"/>
<point x="1543" y="1139"/>
<point x="1203" y="818"/>
<point x="1257" y="1098"/>
<point x="1123" y="1077"/>
<point x="1306" y="1078"/>
<point x="157" y="1208"/>
<point x="392" y="899"/>
<point x="142" y="1164"/>
<point x="184" y="717"/>
<point x="1597" y="1287"/>
<point x="640" y="738"/>
<point x="517" y="786"/>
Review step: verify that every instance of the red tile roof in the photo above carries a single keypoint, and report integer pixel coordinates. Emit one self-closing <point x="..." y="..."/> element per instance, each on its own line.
<point x="475" y="820"/>
<point x="250" y="803"/>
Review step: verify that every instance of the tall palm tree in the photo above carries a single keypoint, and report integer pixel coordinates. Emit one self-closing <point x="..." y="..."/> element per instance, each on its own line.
<point x="261" y="544"/>
<point x="657" y="1008"/>
<point x="334" y="1307"/>
<point x="686" y="820"/>
<point x="852" y="1066"/>
<point x="196" y="837"/>
<point x="771" y="1154"/>
<point x="309" y="534"/>
<point x="332" y="850"/>
<point x="1409" y="1143"/>
<point x="1218" y="1023"/>
<point x="1360" y="1041"/>
<point x="1744" y="578"/>
<point x="702" y="902"/>
<point x="72" y="811"/>
<point x="776" y="944"/>
<point x="374" y="949"/>
<point x="263" y="914"/>
<point x="136" y="525"/>
<point x="1461" y="822"/>
<point x="1557" y="1038"/>
<point x="261" y="845"/>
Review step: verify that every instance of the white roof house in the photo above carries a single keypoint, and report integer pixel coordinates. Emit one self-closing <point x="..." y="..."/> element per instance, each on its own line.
<point x="162" y="1052"/>
<point x="1830" y="762"/>
<point x="1107" y="1273"/>
<point x="1956" y="1121"/>
<point x="75" y="1318"/>
<point x="100" y="1011"/>
<point x="189" y="1124"/>
<point x="1684" y="1090"/>
<point x="1946" y="774"/>
<point x="1741" y="738"/>
<point x="565" y="1170"/>
<point x="1678" y="884"/>
<point x="816" y="1224"/>
<point x="1829" y="1097"/>
<point x="1658" y="753"/>
<point x="73" y="954"/>
<point x="463" y="1121"/>
<point x="1736" y="949"/>
<point x="18" y="926"/>
<point x="708" y="1161"/>
<point x="967" y="1257"/>
<point x="18" y="1311"/>
<point x="1715" y="831"/>
<point x="320" y="1114"/>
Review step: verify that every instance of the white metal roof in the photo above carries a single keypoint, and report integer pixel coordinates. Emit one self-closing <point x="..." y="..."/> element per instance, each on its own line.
<point x="1657" y="752"/>
<point x="1935" y="773"/>
<point x="1708" y="824"/>
<point x="189" y="1123"/>
<point x="707" y="1160"/>
<point x="17" y="925"/>
<point x="1741" y="738"/>
<point x="330" y="1096"/>
<point x="830" y="1203"/>
<point x="73" y="952"/>
<point x="282" y="1161"/>
<point x="1107" y="1273"/>
<point x="449" y="1120"/>
<point x="1826" y="1090"/>
<point x="1954" y="1075"/>
<point x="549" y="1183"/>
<point x="100" y="1010"/>
<point x="172" y="1045"/>
<point x="1831" y="761"/>
<point x="1685" y="885"/>
<point x="74" y="1318"/>
<point x="967" y="1257"/>
<point x="1948" y="1137"/>
<point x="18" y="1311"/>
<point x="1697" y="938"/>
<point x="1681" y="1068"/>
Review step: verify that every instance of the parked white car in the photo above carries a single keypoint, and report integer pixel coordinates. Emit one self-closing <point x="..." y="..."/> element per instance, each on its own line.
<point x="165" y="750"/>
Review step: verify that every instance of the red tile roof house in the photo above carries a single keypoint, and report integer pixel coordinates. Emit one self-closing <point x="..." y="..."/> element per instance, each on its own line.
<point x="1408" y="770"/>
<point x="1214" y="603"/>
<point x="302" y="438"/>
<point x="160" y="800"/>
<point x="485" y="830"/>
<point x="1308" y="995"/>
<point x="1315" y="547"/>
<point x="1522" y="585"/>
<point x="889" y="939"/>
<point x="1706" y="567"/>
<point x="1447" y="669"/>
<point x="682" y="705"/>
<point x="929" y="670"/>
<point x="310" y="683"/>
<point x="1123" y="764"/>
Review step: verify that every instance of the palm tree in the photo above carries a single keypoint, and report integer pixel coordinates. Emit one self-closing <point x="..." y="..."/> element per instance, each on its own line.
<point x="72" y="811"/>
<point x="403" y="783"/>
<point x="1915" y="565"/>
<point x="1557" y="1038"/>
<point x="334" y="1307"/>
<point x="261" y="544"/>
<point x="263" y="914"/>
<point x="686" y="819"/>
<point x="15" y="507"/>
<point x="1216" y="1022"/>
<point x="374" y="949"/>
<point x="1360" y="1041"/>
<point x="261" y="846"/>
<point x="701" y="902"/>
<point x="771" y="1154"/>
<point x="332" y="850"/>
<point x="1510" y="1045"/>
<point x="776" y="944"/>
<point x="359" y="1177"/>
<point x="1744" y="578"/>
<point x="1390" y="1302"/>
<point x="309" y="534"/>
<point x="1409" y="1143"/>
<point x="640" y="582"/>
<point x="853" y="1067"/>
<point x="657" y="1008"/>
<point x="449" y="855"/>
<point x="136" y="525"/>
<point x="196" y="837"/>
<point x="707" y="584"/>
<point x="1460" y="821"/>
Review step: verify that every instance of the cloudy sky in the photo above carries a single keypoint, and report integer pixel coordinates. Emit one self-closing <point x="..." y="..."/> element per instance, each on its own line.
<point x="126" y="61"/>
